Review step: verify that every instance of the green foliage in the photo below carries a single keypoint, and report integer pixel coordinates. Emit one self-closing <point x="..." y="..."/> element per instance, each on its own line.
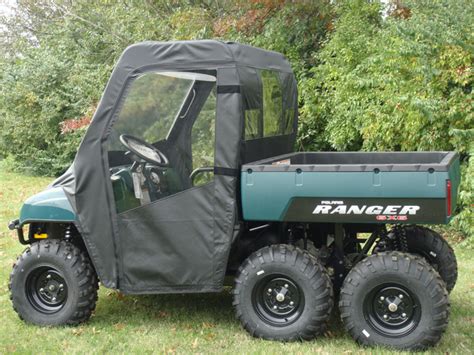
<point x="35" y="99"/>
<point x="399" y="83"/>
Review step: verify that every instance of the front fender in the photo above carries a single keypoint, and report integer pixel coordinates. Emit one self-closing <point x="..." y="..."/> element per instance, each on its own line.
<point x="50" y="205"/>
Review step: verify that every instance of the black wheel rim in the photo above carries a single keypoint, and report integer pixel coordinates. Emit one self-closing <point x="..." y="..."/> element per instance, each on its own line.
<point x="46" y="289"/>
<point x="392" y="310"/>
<point x="278" y="300"/>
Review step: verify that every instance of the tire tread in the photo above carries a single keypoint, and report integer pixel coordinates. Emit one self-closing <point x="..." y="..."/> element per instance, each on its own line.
<point x="82" y="270"/>
<point x="412" y="266"/>
<point x="315" y="274"/>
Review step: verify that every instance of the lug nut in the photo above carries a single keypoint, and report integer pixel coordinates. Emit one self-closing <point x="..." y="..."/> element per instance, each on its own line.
<point x="54" y="299"/>
<point x="385" y="316"/>
<point x="382" y="298"/>
<point x="286" y="285"/>
<point x="48" y="276"/>
<point x="275" y="307"/>
<point x="269" y="290"/>
<point x="400" y="296"/>
<point x="41" y="289"/>
<point x="292" y="303"/>
<point x="404" y="315"/>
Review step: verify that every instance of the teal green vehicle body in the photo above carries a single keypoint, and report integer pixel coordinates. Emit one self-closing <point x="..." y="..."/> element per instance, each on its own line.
<point x="50" y="205"/>
<point x="268" y="195"/>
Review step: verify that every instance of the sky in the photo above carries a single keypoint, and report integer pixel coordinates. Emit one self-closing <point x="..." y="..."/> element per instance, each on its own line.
<point x="6" y="7"/>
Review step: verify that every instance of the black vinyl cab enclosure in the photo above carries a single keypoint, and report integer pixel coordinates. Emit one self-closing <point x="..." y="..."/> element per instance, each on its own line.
<point x="187" y="179"/>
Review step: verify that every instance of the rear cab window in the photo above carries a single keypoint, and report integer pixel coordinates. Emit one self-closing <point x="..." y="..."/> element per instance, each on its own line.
<point x="268" y="112"/>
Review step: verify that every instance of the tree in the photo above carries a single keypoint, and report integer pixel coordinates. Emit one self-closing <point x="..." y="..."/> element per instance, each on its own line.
<point x="400" y="83"/>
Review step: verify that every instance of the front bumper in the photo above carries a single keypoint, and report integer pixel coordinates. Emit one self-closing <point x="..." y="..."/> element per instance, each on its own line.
<point x="15" y="225"/>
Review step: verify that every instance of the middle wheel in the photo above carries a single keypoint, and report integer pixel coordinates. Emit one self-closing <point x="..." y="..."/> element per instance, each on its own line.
<point x="283" y="293"/>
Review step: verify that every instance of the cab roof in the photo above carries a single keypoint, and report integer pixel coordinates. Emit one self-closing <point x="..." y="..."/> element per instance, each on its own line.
<point x="208" y="53"/>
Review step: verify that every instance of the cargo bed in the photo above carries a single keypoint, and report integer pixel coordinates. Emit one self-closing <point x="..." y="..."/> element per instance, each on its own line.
<point x="403" y="187"/>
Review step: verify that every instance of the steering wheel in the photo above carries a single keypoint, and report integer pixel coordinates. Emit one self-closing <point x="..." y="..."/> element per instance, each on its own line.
<point x="144" y="150"/>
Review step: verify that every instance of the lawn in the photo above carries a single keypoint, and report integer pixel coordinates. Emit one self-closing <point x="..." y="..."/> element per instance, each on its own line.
<point x="180" y="323"/>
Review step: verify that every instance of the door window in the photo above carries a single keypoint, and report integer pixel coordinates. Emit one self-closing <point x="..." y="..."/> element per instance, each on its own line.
<point x="163" y="132"/>
<point x="203" y="142"/>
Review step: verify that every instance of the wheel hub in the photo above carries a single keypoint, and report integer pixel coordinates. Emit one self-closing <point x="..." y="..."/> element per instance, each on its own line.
<point x="280" y="297"/>
<point x="46" y="290"/>
<point x="278" y="300"/>
<point x="392" y="310"/>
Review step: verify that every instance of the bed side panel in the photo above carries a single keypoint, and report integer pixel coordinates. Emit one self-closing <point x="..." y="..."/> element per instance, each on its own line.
<point x="268" y="195"/>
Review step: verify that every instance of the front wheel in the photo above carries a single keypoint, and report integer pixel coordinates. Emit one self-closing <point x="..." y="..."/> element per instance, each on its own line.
<point x="394" y="299"/>
<point x="283" y="293"/>
<point x="53" y="283"/>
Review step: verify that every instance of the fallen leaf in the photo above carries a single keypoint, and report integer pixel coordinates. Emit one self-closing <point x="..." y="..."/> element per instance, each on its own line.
<point x="95" y="331"/>
<point x="161" y="314"/>
<point x="11" y="348"/>
<point x="210" y="336"/>
<point x="78" y="331"/>
<point x="206" y="325"/>
<point x="329" y="334"/>
<point x="119" y="326"/>
<point x="195" y="343"/>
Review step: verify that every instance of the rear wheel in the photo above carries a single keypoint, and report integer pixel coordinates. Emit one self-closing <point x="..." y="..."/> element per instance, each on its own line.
<point x="394" y="299"/>
<point x="433" y="247"/>
<point x="283" y="293"/>
<point x="53" y="283"/>
<point x="436" y="250"/>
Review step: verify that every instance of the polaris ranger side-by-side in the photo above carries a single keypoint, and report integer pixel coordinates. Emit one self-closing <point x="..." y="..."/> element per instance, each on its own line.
<point x="187" y="177"/>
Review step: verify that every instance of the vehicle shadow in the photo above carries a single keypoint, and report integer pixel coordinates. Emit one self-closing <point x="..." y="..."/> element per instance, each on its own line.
<point x="178" y="310"/>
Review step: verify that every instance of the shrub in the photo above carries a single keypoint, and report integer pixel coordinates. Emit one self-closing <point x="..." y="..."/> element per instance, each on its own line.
<point x="400" y="83"/>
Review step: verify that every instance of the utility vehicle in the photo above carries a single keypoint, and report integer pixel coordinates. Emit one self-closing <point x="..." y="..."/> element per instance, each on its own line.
<point x="187" y="179"/>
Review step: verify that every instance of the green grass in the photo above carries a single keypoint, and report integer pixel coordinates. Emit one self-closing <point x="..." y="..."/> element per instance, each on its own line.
<point x="180" y="323"/>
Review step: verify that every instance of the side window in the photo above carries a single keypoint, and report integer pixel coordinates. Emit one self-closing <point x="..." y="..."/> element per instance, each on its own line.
<point x="272" y="103"/>
<point x="288" y="121"/>
<point x="290" y="102"/>
<point x="252" y="123"/>
<point x="269" y="102"/>
<point x="203" y="141"/>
